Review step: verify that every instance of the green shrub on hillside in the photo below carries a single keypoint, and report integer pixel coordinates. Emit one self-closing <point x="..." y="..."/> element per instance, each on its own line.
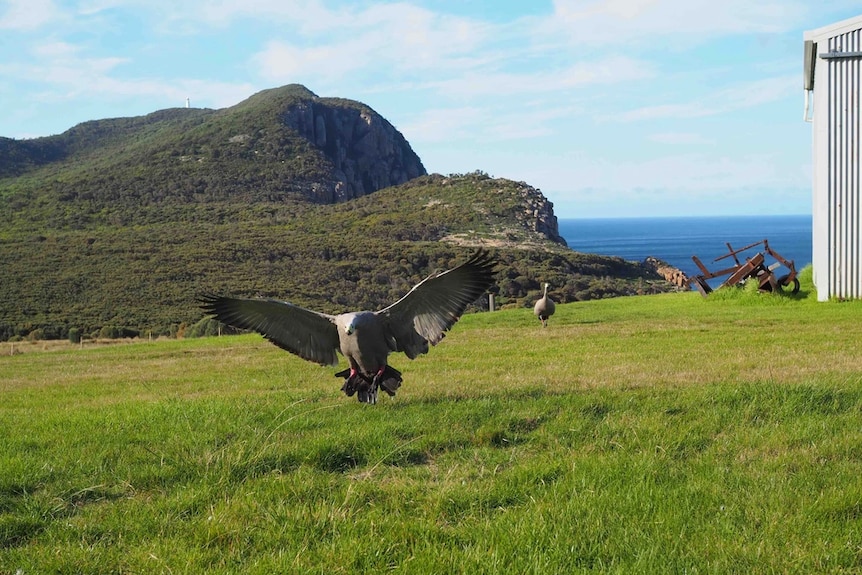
<point x="208" y="327"/>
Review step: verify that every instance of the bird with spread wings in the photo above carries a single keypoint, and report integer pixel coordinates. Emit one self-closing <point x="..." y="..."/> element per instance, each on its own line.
<point x="365" y="338"/>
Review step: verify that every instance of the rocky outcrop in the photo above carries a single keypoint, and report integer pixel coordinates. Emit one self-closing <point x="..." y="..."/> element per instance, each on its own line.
<point x="539" y="213"/>
<point x="673" y="275"/>
<point x="367" y="152"/>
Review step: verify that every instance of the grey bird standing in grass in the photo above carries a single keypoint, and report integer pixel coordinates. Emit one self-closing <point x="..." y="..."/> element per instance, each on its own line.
<point x="365" y="338"/>
<point x="545" y="307"/>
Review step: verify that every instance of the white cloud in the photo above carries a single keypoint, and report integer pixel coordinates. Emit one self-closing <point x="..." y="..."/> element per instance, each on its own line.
<point x="89" y="7"/>
<point x="284" y="63"/>
<point x="307" y="15"/>
<point x="487" y="125"/>
<point x="726" y="100"/>
<point x="61" y="64"/>
<point x="379" y="41"/>
<point x="70" y="75"/>
<point x="54" y="50"/>
<point x="681" y="174"/>
<point x="679" y="138"/>
<point x="481" y="83"/>
<point x="626" y="21"/>
<point x="25" y="15"/>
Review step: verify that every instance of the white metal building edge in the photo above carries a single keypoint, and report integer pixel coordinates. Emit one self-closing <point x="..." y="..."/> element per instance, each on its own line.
<point x="833" y="75"/>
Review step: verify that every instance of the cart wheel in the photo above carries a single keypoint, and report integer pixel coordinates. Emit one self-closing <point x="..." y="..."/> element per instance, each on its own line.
<point x="784" y="281"/>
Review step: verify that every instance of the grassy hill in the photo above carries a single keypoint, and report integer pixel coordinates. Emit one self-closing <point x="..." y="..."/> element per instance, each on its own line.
<point x="364" y="254"/>
<point x="656" y="434"/>
<point x="117" y="225"/>
<point x="162" y="166"/>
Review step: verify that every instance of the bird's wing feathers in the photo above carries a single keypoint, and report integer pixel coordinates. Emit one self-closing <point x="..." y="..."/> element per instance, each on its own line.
<point x="308" y="334"/>
<point x="437" y="302"/>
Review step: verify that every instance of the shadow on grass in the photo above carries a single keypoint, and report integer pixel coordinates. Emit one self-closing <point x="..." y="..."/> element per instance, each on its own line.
<point x="337" y="458"/>
<point x="504" y="396"/>
<point x="29" y="511"/>
<point x="264" y="465"/>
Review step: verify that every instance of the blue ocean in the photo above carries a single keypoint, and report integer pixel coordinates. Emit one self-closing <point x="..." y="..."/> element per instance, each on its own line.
<point x="676" y="239"/>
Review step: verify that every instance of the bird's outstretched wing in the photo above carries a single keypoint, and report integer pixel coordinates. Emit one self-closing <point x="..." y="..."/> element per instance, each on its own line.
<point x="436" y="303"/>
<point x="308" y="334"/>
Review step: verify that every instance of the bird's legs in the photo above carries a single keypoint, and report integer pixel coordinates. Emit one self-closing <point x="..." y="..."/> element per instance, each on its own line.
<point x="367" y="394"/>
<point x="359" y="383"/>
<point x="388" y="378"/>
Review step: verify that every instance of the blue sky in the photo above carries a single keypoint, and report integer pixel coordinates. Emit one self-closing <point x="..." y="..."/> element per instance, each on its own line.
<point x="612" y="108"/>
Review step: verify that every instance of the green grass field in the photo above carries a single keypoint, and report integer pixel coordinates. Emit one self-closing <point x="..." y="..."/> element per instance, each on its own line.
<point x="653" y="434"/>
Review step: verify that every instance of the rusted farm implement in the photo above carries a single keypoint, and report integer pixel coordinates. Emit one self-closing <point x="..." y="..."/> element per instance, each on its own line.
<point x="753" y="268"/>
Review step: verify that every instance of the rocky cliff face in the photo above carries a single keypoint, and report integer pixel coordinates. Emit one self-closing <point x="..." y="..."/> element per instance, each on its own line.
<point x="539" y="213"/>
<point x="368" y="153"/>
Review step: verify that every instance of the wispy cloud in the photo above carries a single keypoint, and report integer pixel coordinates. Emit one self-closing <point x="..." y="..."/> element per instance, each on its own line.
<point x="730" y="99"/>
<point x="481" y="83"/>
<point x="487" y="124"/>
<point x="690" y="173"/>
<point x="25" y="15"/>
<point x="680" y="138"/>
<point x="61" y="64"/>
<point x="386" y="40"/>
<point x="627" y="21"/>
<point x="67" y="74"/>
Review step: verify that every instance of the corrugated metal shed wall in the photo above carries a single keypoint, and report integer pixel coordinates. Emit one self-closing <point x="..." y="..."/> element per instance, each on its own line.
<point x="837" y="201"/>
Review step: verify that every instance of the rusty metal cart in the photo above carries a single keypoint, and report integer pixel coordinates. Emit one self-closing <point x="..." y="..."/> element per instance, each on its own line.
<point x="753" y="268"/>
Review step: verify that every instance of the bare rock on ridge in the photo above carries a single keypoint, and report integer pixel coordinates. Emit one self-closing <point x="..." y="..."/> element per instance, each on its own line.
<point x="366" y="151"/>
